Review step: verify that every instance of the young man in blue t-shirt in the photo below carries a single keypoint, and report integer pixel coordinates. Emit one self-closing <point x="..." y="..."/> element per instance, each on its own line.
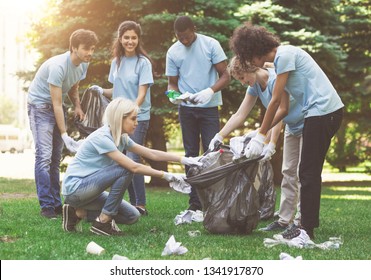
<point x="56" y="78"/>
<point x="196" y="64"/>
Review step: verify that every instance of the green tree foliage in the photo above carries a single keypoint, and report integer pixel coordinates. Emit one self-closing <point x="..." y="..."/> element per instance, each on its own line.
<point x="335" y="33"/>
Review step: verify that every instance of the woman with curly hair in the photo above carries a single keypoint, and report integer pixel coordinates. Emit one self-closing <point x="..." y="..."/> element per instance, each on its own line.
<point x="300" y="76"/>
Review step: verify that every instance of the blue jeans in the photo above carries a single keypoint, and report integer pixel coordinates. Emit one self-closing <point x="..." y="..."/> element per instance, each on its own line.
<point x="92" y="196"/>
<point x="197" y="124"/>
<point x="48" y="146"/>
<point x="137" y="191"/>
<point x="317" y="134"/>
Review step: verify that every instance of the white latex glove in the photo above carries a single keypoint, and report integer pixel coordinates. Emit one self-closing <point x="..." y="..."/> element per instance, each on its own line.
<point x="97" y="88"/>
<point x="202" y="97"/>
<point x="268" y="151"/>
<point x="251" y="134"/>
<point x="170" y="177"/>
<point x="217" y="138"/>
<point x="190" y="161"/>
<point x="255" y="147"/>
<point x="71" y="144"/>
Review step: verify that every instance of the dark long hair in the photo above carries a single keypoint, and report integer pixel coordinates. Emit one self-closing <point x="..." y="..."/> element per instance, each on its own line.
<point x="118" y="50"/>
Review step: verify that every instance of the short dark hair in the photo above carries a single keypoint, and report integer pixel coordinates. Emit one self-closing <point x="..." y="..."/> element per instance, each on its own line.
<point x="182" y="23"/>
<point x="249" y="41"/>
<point x="83" y="36"/>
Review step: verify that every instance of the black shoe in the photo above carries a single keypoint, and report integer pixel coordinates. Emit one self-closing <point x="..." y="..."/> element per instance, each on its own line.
<point x="48" y="213"/>
<point x="58" y="210"/>
<point x="108" y="229"/>
<point x="194" y="207"/>
<point x="274" y="226"/>
<point x="70" y="219"/>
<point x="291" y="232"/>
<point x="142" y="210"/>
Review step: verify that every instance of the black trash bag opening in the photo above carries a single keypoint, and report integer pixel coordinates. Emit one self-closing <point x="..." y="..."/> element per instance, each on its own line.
<point x="226" y="191"/>
<point x="93" y="104"/>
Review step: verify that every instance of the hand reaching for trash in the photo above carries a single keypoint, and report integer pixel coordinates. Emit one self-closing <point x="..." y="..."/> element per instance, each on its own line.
<point x="255" y="147"/>
<point x="268" y="151"/>
<point x="191" y="161"/>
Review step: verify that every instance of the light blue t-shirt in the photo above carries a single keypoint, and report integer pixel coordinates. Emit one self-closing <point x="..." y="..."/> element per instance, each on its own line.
<point x="194" y="65"/>
<point x="133" y="72"/>
<point x="307" y="83"/>
<point x="295" y="118"/>
<point x="91" y="157"/>
<point x="58" y="71"/>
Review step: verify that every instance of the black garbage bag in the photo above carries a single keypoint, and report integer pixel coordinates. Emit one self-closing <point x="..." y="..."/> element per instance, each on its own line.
<point x="266" y="190"/>
<point x="93" y="104"/>
<point x="226" y="191"/>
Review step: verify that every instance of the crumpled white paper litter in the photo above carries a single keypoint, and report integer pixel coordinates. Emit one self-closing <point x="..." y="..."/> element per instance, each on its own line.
<point x="287" y="257"/>
<point x="189" y="216"/>
<point x="173" y="248"/>
<point x="303" y="241"/>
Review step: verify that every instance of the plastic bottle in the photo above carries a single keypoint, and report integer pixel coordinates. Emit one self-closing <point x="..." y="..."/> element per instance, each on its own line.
<point x="172" y="93"/>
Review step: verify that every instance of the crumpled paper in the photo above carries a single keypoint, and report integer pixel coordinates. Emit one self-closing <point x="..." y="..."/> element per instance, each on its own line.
<point x="303" y="241"/>
<point x="287" y="257"/>
<point x="189" y="216"/>
<point x="236" y="145"/>
<point x="173" y="248"/>
<point x="180" y="186"/>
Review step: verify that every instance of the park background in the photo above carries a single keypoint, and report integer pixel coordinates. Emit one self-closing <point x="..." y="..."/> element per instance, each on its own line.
<point x="336" y="33"/>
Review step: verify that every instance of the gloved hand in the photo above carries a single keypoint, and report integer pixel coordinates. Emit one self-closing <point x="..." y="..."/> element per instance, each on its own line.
<point x="255" y="147"/>
<point x="202" y="97"/>
<point x="268" y="151"/>
<point x="217" y="138"/>
<point x="71" y="144"/>
<point x="190" y="161"/>
<point x="251" y="134"/>
<point x="175" y="101"/>
<point x="170" y="177"/>
<point x="97" y="89"/>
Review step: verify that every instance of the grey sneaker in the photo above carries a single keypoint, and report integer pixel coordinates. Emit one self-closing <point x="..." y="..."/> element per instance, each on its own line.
<point x="274" y="226"/>
<point x="70" y="219"/>
<point x="107" y="229"/>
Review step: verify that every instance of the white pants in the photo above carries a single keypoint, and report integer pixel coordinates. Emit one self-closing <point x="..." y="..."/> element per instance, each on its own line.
<point x="290" y="186"/>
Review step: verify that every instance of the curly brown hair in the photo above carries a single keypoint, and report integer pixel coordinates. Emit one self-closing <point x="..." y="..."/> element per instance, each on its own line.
<point x="249" y="41"/>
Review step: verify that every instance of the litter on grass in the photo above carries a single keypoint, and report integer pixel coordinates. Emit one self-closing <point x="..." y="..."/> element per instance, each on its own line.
<point x="189" y="216"/>
<point x="118" y="257"/>
<point x="287" y="257"/>
<point x="303" y="241"/>
<point x="194" y="233"/>
<point x="173" y="248"/>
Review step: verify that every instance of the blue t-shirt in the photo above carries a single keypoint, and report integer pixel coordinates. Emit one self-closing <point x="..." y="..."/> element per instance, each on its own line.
<point x="307" y="83"/>
<point x="194" y="65"/>
<point x="58" y="71"/>
<point x="91" y="157"/>
<point x="133" y="72"/>
<point x="295" y="118"/>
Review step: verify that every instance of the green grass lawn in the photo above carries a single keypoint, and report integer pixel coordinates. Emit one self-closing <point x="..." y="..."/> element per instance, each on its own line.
<point x="25" y="235"/>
